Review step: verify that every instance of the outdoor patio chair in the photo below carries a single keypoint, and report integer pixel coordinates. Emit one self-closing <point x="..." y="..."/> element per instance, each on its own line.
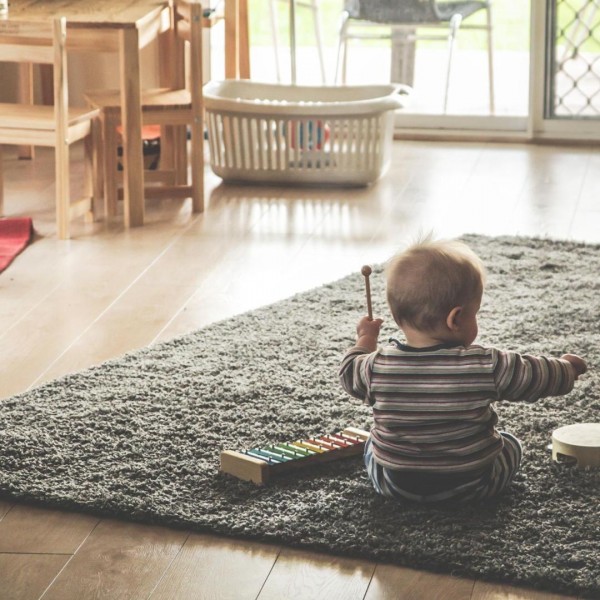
<point x="314" y="7"/>
<point x="406" y="17"/>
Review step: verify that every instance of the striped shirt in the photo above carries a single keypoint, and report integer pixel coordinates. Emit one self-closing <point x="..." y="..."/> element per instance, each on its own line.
<point x="432" y="407"/>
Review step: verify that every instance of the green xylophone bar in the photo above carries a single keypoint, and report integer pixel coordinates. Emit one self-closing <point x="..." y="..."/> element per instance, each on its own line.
<point x="260" y="464"/>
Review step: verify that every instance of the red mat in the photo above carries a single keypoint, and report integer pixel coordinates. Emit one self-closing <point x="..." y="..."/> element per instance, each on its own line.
<point x="15" y="234"/>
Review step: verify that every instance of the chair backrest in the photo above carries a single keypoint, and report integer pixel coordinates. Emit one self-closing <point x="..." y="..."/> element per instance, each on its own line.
<point x="24" y="41"/>
<point x="393" y="11"/>
<point x="40" y="43"/>
<point x="189" y="22"/>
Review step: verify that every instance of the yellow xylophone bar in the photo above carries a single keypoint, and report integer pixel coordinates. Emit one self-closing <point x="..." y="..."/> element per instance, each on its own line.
<point x="260" y="464"/>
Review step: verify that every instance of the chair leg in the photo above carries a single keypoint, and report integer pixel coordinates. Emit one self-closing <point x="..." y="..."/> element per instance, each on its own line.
<point x="63" y="201"/>
<point x="181" y="157"/>
<point x="342" y="50"/>
<point x="93" y="170"/>
<point x="88" y="176"/>
<point x="454" y="27"/>
<point x="319" y="38"/>
<point x="26" y="88"/>
<point x="167" y="148"/>
<point x="275" y="37"/>
<point x="491" y="59"/>
<point x="197" y="166"/>
<point x="97" y="164"/>
<point x="110" y="162"/>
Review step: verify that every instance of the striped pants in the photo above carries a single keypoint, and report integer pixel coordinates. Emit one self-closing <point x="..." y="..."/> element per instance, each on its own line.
<point x="487" y="485"/>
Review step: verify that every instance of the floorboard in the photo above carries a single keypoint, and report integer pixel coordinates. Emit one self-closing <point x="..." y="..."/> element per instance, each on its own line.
<point x="68" y="305"/>
<point x="206" y="562"/>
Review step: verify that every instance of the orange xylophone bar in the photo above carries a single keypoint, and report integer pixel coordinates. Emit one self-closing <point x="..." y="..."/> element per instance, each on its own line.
<point x="260" y="464"/>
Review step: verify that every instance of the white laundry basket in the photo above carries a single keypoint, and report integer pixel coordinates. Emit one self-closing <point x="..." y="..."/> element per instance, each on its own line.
<point x="262" y="132"/>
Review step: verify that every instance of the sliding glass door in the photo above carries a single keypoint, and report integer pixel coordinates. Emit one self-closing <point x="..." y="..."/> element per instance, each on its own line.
<point x="544" y="64"/>
<point x="475" y="106"/>
<point x="566" y="91"/>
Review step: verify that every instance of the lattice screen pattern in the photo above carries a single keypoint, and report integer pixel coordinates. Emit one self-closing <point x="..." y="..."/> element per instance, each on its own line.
<point x="575" y="60"/>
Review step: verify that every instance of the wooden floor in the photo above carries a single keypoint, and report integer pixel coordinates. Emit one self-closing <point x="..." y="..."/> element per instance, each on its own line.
<point x="67" y="305"/>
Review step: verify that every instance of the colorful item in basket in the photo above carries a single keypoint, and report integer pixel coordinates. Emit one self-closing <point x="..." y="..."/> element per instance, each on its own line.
<point x="317" y="134"/>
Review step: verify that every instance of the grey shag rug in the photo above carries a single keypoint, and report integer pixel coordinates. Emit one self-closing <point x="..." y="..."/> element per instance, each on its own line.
<point x="139" y="437"/>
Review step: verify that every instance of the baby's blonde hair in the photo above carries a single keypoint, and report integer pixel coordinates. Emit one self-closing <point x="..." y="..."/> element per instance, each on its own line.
<point x="430" y="278"/>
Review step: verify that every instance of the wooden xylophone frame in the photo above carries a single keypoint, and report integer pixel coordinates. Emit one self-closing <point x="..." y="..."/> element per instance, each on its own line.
<point x="260" y="464"/>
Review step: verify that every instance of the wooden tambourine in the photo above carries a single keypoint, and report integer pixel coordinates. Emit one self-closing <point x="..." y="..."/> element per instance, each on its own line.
<point x="579" y="443"/>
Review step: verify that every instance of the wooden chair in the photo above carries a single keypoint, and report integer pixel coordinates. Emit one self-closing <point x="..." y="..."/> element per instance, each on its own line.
<point x="171" y="108"/>
<point x="55" y="126"/>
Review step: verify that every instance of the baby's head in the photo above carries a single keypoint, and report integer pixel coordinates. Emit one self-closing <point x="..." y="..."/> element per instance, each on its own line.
<point x="431" y="279"/>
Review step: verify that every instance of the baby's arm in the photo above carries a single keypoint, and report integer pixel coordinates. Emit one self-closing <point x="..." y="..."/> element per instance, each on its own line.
<point x="356" y="365"/>
<point x="528" y="378"/>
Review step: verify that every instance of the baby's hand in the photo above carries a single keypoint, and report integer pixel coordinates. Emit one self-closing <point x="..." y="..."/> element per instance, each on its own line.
<point x="368" y="327"/>
<point x="579" y="365"/>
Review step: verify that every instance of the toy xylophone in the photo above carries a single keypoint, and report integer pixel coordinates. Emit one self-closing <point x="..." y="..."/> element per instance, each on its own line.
<point x="259" y="464"/>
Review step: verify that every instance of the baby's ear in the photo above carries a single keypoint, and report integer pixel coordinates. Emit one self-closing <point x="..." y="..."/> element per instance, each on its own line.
<point x="452" y="320"/>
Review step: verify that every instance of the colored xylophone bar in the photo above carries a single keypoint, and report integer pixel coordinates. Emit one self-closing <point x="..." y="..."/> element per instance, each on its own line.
<point x="260" y="464"/>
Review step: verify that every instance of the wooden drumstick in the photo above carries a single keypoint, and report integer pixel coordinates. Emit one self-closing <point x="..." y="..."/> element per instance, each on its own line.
<point x="366" y="271"/>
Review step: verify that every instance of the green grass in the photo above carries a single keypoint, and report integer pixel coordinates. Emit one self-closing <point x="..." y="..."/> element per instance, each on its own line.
<point x="568" y="13"/>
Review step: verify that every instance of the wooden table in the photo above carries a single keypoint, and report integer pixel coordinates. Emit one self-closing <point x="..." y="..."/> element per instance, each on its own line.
<point x="116" y="27"/>
<point x="124" y="28"/>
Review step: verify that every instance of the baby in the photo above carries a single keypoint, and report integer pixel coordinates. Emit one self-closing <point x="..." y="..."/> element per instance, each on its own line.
<point x="434" y="438"/>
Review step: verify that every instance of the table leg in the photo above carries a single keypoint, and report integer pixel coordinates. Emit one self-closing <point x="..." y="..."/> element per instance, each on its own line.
<point x="131" y="117"/>
<point x="243" y="40"/>
<point x="237" y="40"/>
<point x="232" y="64"/>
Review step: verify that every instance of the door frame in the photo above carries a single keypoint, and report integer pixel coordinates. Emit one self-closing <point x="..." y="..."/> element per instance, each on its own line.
<point x="540" y="127"/>
<point x="531" y="127"/>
